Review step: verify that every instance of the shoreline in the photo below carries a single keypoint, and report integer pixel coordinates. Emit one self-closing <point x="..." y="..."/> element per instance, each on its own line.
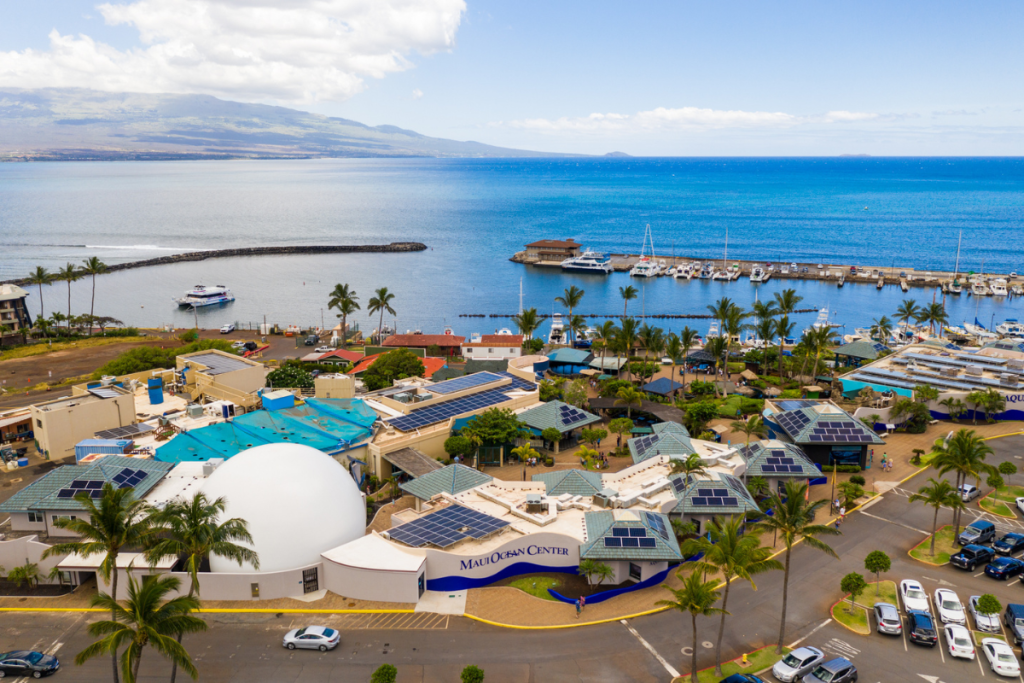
<point x="393" y="247"/>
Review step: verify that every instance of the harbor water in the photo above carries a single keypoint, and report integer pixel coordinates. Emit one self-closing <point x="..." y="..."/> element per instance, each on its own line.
<point x="473" y="214"/>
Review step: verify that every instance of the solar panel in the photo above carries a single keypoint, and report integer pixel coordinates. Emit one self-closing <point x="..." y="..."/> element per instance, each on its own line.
<point x="105" y="392"/>
<point x="657" y="524"/>
<point x="126" y="432"/>
<point x="95" y="485"/>
<point x="120" y="478"/>
<point x="620" y="531"/>
<point x="125" y="485"/>
<point x="768" y="468"/>
<point x="778" y="453"/>
<point x="644" y="443"/>
<point x="648" y="543"/>
<point x="714" y="501"/>
<point x="518" y="383"/>
<point x="699" y="501"/>
<point x="678" y="485"/>
<point x="610" y="542"/>
<point x="731" y="501"/>
<point x="462" y="383"/>
<point x="422" y="417"/>
<point x="446" y="527"/>
<point x="79" y="484"/>
<point x="705" y="492"/>
<point x="95" y="494"/>
<point x="67" y="493"/>
<point x="631" y="543"/>
<point x="637" y="532"/>
<point x="721" y="492"/>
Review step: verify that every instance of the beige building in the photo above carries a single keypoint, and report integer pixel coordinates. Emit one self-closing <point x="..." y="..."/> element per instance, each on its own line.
<point x="335" y="386"/>
<point x="61" y="423"/>
<point x="493" y="347"/>
<point x="214" y="375"/>
<point x="552" y="250"/>
<point x="13" y="311"/>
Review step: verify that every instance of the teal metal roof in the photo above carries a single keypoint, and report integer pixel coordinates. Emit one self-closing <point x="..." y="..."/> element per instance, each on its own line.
<point x="744" y="501"/>
<point x="567" y="355"/>
<point x="629" y="524"/>
<point x="42" y="494"/>
<point x="451" y="479"/>
<point x="575" y="482"/>
<point x="549" y="415"/>
<point x="804" y="426"/>
<point x="867" y="350"/>
<point x="669" y="438"/>
<point x="756" y="454"/>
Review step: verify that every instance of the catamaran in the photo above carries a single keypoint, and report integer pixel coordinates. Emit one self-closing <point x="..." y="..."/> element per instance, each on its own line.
<point x="200" y="296"/>
<point x="647" y="266"/>
<point x="1010" y="328"/>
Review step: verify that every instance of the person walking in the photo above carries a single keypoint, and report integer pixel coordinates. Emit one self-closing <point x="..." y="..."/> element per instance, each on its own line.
<point x="578" y="608"/>
<point x="583" y="602"/>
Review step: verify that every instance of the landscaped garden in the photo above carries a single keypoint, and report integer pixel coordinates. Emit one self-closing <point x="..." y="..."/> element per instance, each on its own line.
<point x="759" y="660"/>
<point x="1001" y="500"/>
<point x="944" y="547"/>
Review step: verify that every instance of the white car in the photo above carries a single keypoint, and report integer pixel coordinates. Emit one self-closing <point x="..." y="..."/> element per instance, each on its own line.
<point x="797" y="663"/>
<point x="949" y="608"/>
<point x="237" y="344"/>
<point x="227" y="329"/>
<point x="312" y="638"/>
<point x="1000" y="657"/>
<point x="959" y="641"/>
<point x="913" y="596"/>
<point x="323" y="349"/>
<point x="1020" y="504"/>
<point x="982" y="621"/>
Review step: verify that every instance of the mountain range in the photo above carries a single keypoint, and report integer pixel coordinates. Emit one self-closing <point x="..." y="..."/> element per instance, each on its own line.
<point x="80" y="124"/>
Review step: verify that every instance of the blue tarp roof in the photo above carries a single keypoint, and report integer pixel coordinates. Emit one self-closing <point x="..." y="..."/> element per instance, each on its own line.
<point x="663" y="386"/>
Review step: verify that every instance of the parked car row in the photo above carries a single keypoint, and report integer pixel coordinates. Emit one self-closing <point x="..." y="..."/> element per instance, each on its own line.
<point x="805" y="664"/>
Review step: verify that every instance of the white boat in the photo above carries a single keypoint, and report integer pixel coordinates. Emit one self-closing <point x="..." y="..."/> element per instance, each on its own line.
<point x="955" y="287"/>
<point x="200" y="296"/>
<point x="978" y="331"/>
<point x="978" y="288"/>
<point x="1010" y="328"/>
<point x="757" y="274"/>
<point x="557" y="333"/>
<point x="902" y="337"/>
<point x="822" y="321"/>
<point x="1016" y="290"/>
<point x="722" y="275"/>
<point x="999" y="287"/>
<point x="707" y="271"/>
<point x="683" y="272"/>
<point x="647" y="266"/>
<point x="712" y="331"/>
<point x="588" y="262"/>
<point x="784" y="271"/>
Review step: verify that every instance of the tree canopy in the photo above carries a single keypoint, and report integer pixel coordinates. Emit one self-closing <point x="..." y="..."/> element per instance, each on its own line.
<point x="388" y="367"/>
<point x="495" y="426"/>
<point x="143" y="358"/>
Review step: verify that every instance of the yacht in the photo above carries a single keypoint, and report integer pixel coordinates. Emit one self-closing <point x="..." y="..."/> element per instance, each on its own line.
<point x="757" y="274"/>
<point x="712" y="331"/>
<point x="200" y="296"/>
<point x="1010" y="328"/>
<point x="978" y="331"/>
<point x="684" y="271"/>
<point x="645" y="267"/>
<point x="822" y="321"/>
<point x="722" y="275"/>
<point x="902" y="337"/>
<point x="955" y="287"/>
<point x="978" y="288"/>
<point x="504" y="332"/>
<point x="588" y="262"/>
<point x="999" y="287"/>
<point x="557" y="334"/>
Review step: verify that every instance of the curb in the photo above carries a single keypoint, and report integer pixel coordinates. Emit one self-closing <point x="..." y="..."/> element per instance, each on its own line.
<point x="215" y="610"/>
<point x="917" y="559"/>
<point x="684" y="679"/>
<point x="831" y="611"/>
<point x="997" y="514"/>
<point x="561" y="626"/>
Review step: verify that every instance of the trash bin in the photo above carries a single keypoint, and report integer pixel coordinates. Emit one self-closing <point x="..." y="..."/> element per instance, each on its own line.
<point x="22" y="462"/>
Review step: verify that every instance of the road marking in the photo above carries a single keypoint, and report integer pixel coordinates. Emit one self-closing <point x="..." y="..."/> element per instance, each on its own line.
<point x="889" y="521"/>
<point x="979" y="573"/>
<point x="668" y="667"/>
<point x="1017" y="580"/>
<point x="903" y="632"/>
<point x="934" y="610"/>
<point x="841" y="647"/>
<point x="816" y="629"/>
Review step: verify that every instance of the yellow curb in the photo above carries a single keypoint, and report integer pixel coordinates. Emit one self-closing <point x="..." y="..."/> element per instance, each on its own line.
<point x="214" y="610"/>
<point x="992" y="512"/>
<point x="559" y="626"/>
<point x="832" y="613"/>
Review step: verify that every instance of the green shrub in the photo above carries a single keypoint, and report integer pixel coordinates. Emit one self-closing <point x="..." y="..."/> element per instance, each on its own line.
<point x="751" y="406"/>
<point x="736" y="368"/>
<point x="188" y="336"/>
<point x="698" y="388"/>
<point x="790" y="393"/>
<point x="858" y="480"/>
<point x="143" y="358"/>
<point x="472" y="674"/>
<point x="730" y="406"/>
<point x="388" y="367"/>
<point x="845" y="469"/>
<point x="290" y="377"/>
<point x="385" y="673"/>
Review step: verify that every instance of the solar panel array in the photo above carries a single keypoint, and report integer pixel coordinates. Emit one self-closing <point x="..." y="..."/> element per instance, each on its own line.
<point x="656" y="523"/>
<point x="518" y="383"/>
<point x="793" y="421"/>
<point x="570" y="415"/>
<point x="126" y="432"/>
<point x="105" y="392"/>
<point x="838" y="431"/>
<point x="777" y="463"/>
<point x="129" y="477"/>
<point x="629" y="542"/>
<point x="678" y="485"/>
<point x="644" y="443"/>
<point x="422" y="417"/>
<point x="447" y="527"/>
<point x="636" y="531"/>
<point x="462" y="383"/>
<point x="795" y="404"/>
<point x="71" y="493"/>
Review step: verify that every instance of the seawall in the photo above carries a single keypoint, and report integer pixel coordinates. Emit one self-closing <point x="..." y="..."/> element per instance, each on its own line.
<point x="394" y="247"/>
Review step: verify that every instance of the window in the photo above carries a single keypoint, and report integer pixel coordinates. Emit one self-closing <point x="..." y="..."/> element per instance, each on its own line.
<point x="54" y="518"/>
<point x="35" y="517"/>
<point x="634" y="571"/>
<point x="39" y="423"/>
<point x="490" y="350"/>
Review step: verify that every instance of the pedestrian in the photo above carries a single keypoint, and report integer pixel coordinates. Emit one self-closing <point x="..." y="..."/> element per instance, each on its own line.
<point x="583" y="602"/>
<point x="838" y="522"/>
<point x="842" y="513"/>
<point x="836" y="505"/>
<point x="578" y="608"/>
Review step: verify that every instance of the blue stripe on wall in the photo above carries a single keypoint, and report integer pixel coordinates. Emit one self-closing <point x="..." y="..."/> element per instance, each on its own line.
<point x="459" y="583"/>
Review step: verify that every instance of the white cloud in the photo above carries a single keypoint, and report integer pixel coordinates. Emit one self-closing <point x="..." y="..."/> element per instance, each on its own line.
<point x="417" y="94"/>
<point x="298" y="51"/>
<point x="662" y="118"/>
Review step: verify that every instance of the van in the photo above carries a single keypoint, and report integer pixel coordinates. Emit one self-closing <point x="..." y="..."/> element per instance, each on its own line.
<point x="976" y="533"/>
<point x="1013" y="617"/>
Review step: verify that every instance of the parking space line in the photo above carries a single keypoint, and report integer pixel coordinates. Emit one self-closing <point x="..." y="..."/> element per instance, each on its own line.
<point x="817" y="628"/>
<point x="650" y="648"/>
<point x="903" y="632"/>
<point x="935" y="623"/>
<point x="979" y="573"/>
<point x="1017" y="580"/>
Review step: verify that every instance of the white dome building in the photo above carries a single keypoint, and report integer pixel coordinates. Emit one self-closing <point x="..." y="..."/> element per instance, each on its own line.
<point x="298" y="503"/>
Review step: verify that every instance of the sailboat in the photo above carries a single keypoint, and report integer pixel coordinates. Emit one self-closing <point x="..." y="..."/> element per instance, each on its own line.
<point x="646" y="266"/>
<point x="955" y="287"/>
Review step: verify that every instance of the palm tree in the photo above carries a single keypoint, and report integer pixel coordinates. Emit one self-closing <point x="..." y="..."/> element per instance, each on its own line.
<point x="577" y="326"/>
<point x="976" y="399"/>
<point x="822" y="339"/>
<point x="687" y="338"/>
<point x="527" y="323"/>
<point x="698" y="598"/>
<point x="736" y="555"/>
<point x="627" y="336"/>
<point x="92" y="266"/>
<point x="732" y="328"/>
<point x="935" y="315"/>
<point x="718" y="347"/>
<point x="40" y="276"/>
<point x="120" y="521"/>
<point x="939" y="494"/>
<point x="783" y="328"/>
<point x="628" y="293"/>
<point x="692" y="466"/>
<point x="147" y="618"/>
<point x="908" y="310"/>
<point x="629" y="397"/>
<point x="994" y="403"/>
<point x="68" y="274"/>
<point x="964" y="455"/>
<point x="764" y="328"/>
<point x="954" y="406"/>
<point x="381" y="303"/>
<point x="881" y="328"/>
<point x="764" y="310"/>
<point x="753" y="426"/>
<point x="347" y="302"/>
<point x="720" y="310"/>
<point x="193" y="533"/>
<point x="674" y="350"/>
<point x="786" y="302"/>
<point x="605" y="334"/>
<point x="570" y="299"/>
<point x="793" y="520"/>
<point x="652" y="339"/>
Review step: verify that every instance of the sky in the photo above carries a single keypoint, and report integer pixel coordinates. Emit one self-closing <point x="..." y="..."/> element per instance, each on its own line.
<point x="650" y="78"/>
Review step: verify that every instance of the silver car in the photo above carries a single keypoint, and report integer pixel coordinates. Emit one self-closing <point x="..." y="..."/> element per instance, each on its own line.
<point x="312" y="638"/>
<point x="982" y="621"/>
<point x="887" y="617"/>
<point x="797" y="663"/>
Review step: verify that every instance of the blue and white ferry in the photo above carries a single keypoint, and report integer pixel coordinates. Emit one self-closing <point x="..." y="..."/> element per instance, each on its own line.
<point x="200" y="296"/>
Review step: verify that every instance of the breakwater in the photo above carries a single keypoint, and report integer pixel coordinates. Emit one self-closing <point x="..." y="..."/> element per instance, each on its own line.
<point x="393" y="247"/>
<point x="657" y="316"/>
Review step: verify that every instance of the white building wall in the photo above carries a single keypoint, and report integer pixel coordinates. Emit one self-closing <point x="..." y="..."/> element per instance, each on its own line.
<point x="555" y="551"/>
<point x="55" y="531"/>
<point x="225" y="586"/>
<point x="491" y="352"/>
<point x="20" y="522"/>
<point x="18" y="551"/>
<point x="371" y="584"/>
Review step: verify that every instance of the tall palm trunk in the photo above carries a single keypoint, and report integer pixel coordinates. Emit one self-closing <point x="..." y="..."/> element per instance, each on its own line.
<point x="785" y="598"/>
<point x="693" y="655"/>
<point x="113" y="614"/>
<point x="780" y="358"/>
<point x="69" y="306"/>
<point x="935" y="528"/>
<point x="960" y="478"/>
<point x="344" y="332"/>
<point x="721" y="629"/>
<point x="41" y="313"/>
<point x="135" y="667"/>
<point x="380" y="328"/>
<point x="92" y="304"/>
<point x="174" y="664"/>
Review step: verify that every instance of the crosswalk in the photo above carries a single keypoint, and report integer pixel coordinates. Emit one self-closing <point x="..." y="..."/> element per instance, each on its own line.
<point x="840" y="648"/>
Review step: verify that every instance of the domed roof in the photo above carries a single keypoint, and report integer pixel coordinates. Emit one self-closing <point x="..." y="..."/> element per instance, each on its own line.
<point x="298" y="502"/>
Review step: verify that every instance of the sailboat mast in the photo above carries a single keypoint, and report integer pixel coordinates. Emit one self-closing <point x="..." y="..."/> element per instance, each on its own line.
<point x="956" y="268"/>
<point x="520" y="296"/>
<point x="725" y="256"/>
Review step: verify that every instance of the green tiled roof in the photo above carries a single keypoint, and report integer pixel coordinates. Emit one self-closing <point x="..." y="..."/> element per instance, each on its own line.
<point x="756" y="453"/>
<point x="575" y="482"/>
<point x="813" y="417"/>
<point x="600" y="525"/>
<point x="669" y="438"/>
<point x="42" y="494"/>
<point x="547" y="415"/>
<point x="867" y="350"/>
<point x="745" y="502"/>
<point x="567" y="355"/>
<point x="451" y="479"/>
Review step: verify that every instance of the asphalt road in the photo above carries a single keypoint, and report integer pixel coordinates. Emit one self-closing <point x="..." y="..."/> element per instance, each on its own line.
<point x="248" y="647"/>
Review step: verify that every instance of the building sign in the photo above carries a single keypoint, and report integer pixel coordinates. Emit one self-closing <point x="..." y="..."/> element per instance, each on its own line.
<point x="536" y="552"/>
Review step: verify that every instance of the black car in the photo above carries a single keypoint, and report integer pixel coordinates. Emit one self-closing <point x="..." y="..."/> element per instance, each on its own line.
<point x="1004" y="567"/>
<point x="921" y="628"/>
<point x="27" y="663"/>
<point x="839" y="670"/>
<point x="743" y="678"/>
<point x="1010" y="544"/>
<point x="970" y="556"/>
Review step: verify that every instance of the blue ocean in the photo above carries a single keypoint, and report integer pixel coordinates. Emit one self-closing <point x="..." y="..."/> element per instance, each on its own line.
<point x="474" y="214"/>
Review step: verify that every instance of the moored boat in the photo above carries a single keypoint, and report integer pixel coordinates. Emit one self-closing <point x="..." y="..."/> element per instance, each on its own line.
<point x="200" y="296"/>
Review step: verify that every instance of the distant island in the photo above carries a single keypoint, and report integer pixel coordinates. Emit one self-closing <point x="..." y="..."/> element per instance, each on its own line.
<point x="75" y="124"/>
<point x="618" y="154"/>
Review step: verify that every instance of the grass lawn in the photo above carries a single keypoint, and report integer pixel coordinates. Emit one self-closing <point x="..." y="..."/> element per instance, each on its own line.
<point x="537" y="586"/>
<point x="927" y="458"/>
<point x="979" y="635"/>
<point x="1008" y="494"/>
<point x="996" y="507"/>
<point x="41" y="348"/>
<point x="944" y="547"/>
<point x="757" y="661"/>
<point x="858" y="621"/>
<point x="886" y="593"/>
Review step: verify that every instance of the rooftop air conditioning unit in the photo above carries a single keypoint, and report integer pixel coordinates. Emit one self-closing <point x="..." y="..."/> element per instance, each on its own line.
<point x="425" y="396"/>
<point x="403" y="397"/>
<point x="1007" y="378"/>
<point x="535" y="503"/>
<point x="950" y="372"/>
<point x="195" y="410"/>
<point x="602" y="501"/>
<point x="975" y="370"/>
<point x="1015" y="363"/>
